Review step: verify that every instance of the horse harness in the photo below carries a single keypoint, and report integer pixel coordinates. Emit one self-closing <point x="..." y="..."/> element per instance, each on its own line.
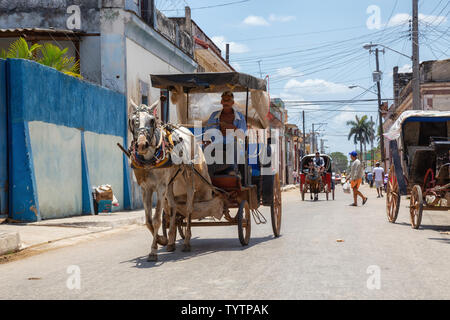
<point x="161" y="158"/>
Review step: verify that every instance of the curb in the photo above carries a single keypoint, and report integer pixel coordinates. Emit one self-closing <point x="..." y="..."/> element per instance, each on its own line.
<point x="9" y="242"/>
<point x="100" y="224"/>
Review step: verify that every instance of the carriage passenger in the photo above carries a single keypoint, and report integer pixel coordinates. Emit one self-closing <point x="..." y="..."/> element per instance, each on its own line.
<point x="223" y="120"/>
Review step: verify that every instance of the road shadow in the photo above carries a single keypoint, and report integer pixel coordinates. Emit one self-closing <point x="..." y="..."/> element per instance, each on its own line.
<point x="199" y="247"/>
<point x="443" y="240"/>
<point x="436" y="228"/>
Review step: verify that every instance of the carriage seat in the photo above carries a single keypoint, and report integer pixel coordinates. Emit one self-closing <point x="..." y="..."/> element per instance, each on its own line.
<point x="414" y="151"/>
<point x="227" y="182"/>
<point x="421" y="158"/>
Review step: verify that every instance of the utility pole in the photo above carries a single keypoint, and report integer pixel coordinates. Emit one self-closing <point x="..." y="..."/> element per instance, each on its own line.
<point x="260" y="73"/>
<point x="304" y="134"/>
<point x="415" y="56"/>
<point x="379" y="112"/>
<point x="371" y="143"/>
<point x="312" y="139"/>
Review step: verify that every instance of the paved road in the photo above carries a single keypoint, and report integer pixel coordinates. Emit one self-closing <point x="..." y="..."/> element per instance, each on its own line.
<point x="375" y="260"/>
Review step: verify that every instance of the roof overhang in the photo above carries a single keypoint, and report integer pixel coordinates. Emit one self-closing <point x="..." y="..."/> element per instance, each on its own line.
<point x="35" y="34"/>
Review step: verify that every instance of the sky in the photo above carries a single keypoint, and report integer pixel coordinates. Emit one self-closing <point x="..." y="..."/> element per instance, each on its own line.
<point x="313" y="50"/>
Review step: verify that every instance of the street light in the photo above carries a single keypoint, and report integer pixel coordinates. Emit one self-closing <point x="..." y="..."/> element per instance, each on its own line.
<point x="356" y="86"/>
<point x="369" y="47"/>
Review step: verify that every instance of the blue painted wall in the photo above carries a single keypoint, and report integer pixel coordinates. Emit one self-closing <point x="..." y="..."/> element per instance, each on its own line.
<point x="3" y="142"/>
<point x="45" y="100"/>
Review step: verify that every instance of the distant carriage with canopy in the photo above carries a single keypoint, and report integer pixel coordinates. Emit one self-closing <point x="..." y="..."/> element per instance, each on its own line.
<point x="311" y="181"/>
<point x="420" y="164"/>
<point x="197" y="96"/>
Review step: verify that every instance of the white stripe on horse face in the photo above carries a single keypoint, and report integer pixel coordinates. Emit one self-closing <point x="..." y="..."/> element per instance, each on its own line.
<point x="142" y="116"/>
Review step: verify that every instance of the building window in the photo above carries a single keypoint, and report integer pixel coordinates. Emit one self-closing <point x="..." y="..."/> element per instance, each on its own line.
<point x="147" y="11"/>
<point x="144" y="88"/>
<point x="165" y="106"/>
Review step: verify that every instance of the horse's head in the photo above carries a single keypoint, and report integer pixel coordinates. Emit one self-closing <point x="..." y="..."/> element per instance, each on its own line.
<point x="143" y="125"/>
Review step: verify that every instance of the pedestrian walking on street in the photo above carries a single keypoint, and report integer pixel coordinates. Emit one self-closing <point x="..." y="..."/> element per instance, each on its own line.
<point x="370" y="179"/>
<point x="378" y="172"/>
<point x="356" y="176"/>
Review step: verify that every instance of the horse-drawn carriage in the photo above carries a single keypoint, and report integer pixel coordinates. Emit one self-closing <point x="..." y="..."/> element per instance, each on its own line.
<point x="314" y="181"/>
<point x="420" y="163"/>
<point x="198" y="95"/>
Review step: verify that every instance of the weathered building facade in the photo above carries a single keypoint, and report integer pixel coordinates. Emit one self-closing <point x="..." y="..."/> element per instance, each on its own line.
<point x="434" y="92"/>
<point x="119" y="43"/>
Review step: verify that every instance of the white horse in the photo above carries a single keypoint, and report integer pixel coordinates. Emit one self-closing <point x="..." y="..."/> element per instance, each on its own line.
<point x="167" y="160"/>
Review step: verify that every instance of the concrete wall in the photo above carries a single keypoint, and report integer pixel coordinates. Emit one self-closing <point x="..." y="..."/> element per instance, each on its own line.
<point x="59" y="14"/>
<point x="63" y="141"/>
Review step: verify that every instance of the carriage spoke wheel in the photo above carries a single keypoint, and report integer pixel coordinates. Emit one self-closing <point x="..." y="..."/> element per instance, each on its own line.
<point x="244" y="222"/>
<point x="416" y="206"/>
<point x="275" y="208"/>
<point x="392" y="196"/>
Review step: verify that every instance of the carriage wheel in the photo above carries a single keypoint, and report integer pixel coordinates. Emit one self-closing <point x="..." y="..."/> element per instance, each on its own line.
<point x="275" y="208"/>
<point x="392" y="196"/>
<point x="244" y="222"/>
<point x="416" y="206"/>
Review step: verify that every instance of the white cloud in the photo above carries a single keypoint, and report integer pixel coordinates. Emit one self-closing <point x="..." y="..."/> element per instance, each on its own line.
<point x="313" y="86"/>
<point x="235" y="47"/>
<point x="287" y="71"/>
<point x="403" y="18"/>
<point x="276" y="18"/>
<point x="236" y="66"/>
<point x="405" y="68"/>
<point x="256" y="21"/>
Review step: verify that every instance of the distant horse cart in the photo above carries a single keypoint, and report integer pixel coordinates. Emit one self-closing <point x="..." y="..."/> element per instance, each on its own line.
<point x="420" y="164"/>
<point x="313" y="181"/>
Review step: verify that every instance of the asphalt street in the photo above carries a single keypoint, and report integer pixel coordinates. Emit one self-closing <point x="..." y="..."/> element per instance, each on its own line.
<point x="327" y="250"/>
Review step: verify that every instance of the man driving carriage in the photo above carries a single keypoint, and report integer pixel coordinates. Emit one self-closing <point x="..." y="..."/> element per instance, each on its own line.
<point x="227" y="119"/>
<point x="319" y="163"/>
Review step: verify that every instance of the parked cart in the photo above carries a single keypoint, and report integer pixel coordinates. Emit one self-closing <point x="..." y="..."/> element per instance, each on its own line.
<point x="420" y="164"/>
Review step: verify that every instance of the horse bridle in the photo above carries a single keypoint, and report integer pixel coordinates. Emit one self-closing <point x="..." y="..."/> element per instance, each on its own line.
<point x="148" y="132"/>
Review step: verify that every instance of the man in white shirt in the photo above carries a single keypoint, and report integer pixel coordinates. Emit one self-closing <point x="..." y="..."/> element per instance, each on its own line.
<point x="378" y="172"/>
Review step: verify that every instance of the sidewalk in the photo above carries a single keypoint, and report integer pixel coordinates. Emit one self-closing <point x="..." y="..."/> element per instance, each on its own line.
<point x="19" y="236"/>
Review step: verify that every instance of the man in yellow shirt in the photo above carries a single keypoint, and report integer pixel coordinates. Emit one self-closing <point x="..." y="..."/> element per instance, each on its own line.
<point x="356" y="175"/>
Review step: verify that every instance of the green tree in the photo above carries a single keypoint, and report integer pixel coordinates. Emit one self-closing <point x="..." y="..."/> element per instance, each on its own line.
<point x="49" y="55"/>
<point x="54" y="57"/>
<point x="340" y="161"/>
<point x="19" y="49"/>
<point x="362" y="132"/>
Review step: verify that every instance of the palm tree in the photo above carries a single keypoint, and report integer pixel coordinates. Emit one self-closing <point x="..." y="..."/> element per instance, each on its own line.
<point x="361" y="130"/>
<point x="50" y="55"/>
<point x="54" y="57"/>
<point x="19" y="49"/>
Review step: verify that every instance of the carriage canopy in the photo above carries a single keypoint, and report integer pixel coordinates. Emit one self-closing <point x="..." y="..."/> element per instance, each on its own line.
<point x="416" y="116"/>
<point x="198" y="95"/>
<point x="306" y="159"/>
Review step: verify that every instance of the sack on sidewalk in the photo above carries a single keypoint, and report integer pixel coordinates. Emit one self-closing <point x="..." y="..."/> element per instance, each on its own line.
<point x="346" y="187"/>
